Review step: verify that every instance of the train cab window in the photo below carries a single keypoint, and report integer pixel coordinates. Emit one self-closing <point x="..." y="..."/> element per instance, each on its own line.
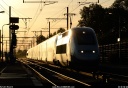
<point x="85" y="38"/>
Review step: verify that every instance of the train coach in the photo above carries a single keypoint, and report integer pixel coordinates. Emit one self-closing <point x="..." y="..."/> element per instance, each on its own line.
<point x="77" y="46"/>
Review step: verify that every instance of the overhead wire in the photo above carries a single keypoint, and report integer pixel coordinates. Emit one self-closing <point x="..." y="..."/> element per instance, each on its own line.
<point x="19" y="14"/>
<point x="70" y="3"/>
<point x="35" y="17"/>
<point x="57" y="14"/>
<point x="6" y="11"/>
<point x="61" y="14"/>
<point x="38" y="13"/>
<point x="71" y="11"/>
<point x="11" y="13"/>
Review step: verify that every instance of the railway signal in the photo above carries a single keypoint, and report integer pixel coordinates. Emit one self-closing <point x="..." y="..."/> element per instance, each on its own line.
<point x="14" y="27"/>
<point x="14" y="40"/>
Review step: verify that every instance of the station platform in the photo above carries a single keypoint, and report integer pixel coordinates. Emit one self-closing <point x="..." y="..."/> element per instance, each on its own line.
<point x="16" y="75"/>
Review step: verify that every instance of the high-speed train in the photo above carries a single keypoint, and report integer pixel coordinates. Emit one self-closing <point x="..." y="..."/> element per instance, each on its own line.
<point x="77" y="46"/>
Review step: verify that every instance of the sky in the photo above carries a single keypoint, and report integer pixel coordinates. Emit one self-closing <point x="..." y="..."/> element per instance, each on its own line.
<point x="37" y="14"/>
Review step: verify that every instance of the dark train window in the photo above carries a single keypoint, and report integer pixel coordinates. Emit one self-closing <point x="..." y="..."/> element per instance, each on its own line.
<point x="61" y="49"/>
<point x="85" y="38"/>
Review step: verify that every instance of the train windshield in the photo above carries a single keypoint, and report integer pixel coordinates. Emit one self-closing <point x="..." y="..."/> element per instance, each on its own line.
<point x="85" y="37"/>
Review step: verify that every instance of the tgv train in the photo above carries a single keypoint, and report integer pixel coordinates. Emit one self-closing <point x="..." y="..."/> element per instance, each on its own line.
<point x="75" y="47"/>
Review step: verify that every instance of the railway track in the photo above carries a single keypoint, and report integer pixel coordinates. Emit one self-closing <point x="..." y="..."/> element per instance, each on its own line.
<point x="2" y="67"/>
<point x="53" y="78"/>
<point x="56" y="76"/>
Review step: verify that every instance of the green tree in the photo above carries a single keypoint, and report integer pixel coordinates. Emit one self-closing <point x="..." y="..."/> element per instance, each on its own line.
<point x="54" y="33"/>
<point x="92" y="16"/>
<point x="60" y="30"/>
<point x="40" y="39"/>
<point x="107" y="21"/>
<point x="21" y="53"/>
<point x="120" y="8"/>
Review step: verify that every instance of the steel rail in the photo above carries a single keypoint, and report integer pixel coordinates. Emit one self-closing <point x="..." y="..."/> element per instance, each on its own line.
<point x="3" y="70"/>
<point x="41" y="76"/>
<point x="62" y="75"/>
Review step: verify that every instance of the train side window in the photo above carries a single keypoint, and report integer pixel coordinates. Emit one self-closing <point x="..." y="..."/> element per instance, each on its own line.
<point x="61" y="49"/>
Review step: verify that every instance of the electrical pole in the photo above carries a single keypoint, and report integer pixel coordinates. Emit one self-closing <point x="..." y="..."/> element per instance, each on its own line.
<point x="45" y="3"/>
<point x="0" y="43"/>
<point x="25" y="21"/>
<point x="12" y="35"/>
<point x="49" y="29"/>
<point x="9" y="30"/>
<point x="69" y="15"/>
<point x="37" y="35"/>
<point x="6" y="45"/>
<point x="24" y="35"/>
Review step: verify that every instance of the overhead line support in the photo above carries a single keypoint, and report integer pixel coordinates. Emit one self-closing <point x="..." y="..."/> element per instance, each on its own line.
<point x="45" y="2"/>
<point x="25" y="20"/>
<point x="69" y="15"/>
<point x="54" y="19"/>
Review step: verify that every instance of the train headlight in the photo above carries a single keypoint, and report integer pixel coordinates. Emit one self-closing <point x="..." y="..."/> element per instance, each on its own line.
<point x="83" y="32"/>
<point x="93" y="51"/>
<point x="82" y="51"/>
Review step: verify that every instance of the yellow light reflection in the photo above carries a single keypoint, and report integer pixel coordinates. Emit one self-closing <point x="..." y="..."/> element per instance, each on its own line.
<point x="70" y="33"/>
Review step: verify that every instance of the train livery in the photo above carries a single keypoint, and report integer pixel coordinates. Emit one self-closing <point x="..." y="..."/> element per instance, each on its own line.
<point x="77" y="46"/>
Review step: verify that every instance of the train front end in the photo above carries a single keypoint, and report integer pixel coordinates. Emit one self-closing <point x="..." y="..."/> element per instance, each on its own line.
<point x="84" y="48"/>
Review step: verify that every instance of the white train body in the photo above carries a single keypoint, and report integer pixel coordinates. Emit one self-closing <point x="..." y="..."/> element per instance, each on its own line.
<point x="77" y="46"/>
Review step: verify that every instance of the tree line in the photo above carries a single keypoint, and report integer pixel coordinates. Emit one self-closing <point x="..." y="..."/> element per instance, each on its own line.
<point x="42" y="38"/>
<point x="109" y="23"/>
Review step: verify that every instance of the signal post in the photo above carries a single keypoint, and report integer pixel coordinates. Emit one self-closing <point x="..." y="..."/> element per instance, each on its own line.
<point x="13" y="41"/>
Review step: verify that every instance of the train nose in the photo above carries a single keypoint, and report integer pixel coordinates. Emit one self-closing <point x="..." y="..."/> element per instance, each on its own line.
<point x="87" y="51"/>
<point x="87" y="54"/>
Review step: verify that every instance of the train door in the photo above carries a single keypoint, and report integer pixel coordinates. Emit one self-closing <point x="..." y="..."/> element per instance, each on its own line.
<point x="62" y="48"/>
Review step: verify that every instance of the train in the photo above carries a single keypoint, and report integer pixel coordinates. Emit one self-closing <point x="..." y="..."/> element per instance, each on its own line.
<point x="76" y="47"/>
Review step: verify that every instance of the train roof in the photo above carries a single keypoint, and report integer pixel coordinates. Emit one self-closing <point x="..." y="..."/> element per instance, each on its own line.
<point x="74" y="28"/>
<point x="84" y="27"/>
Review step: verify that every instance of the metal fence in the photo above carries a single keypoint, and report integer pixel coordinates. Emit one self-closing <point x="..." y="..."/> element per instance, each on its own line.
<point x="114" y="53"/>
